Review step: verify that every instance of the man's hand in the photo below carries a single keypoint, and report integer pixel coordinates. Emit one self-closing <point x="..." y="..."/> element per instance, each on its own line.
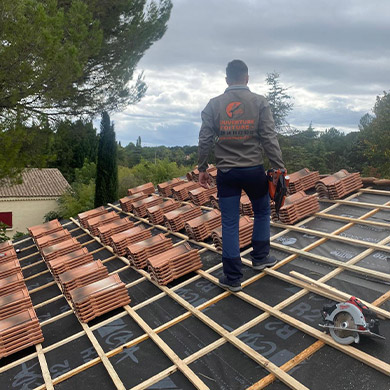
<point x="204" y="179"/>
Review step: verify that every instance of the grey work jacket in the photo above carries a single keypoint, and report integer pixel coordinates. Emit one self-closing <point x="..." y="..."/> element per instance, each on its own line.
<point x="240" y="123"/>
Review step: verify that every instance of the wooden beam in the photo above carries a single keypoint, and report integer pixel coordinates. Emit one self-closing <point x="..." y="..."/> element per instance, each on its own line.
<point x="44" y="368"/>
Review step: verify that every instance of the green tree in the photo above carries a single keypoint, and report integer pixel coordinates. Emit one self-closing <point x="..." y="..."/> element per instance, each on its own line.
<point x="73" y="143"/>
<point x="107" y="166"/>
<point x="375" y="134"/>
<point x="280" y="102"/>
<point x="24" y="146"/>
<point x="69" y="57"/>
<point x="75" y="56"/>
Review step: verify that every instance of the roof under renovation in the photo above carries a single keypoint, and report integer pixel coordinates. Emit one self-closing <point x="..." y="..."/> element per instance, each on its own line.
<point x="190" y="333"/>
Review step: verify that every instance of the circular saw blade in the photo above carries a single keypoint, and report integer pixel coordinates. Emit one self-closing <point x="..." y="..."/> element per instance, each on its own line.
<point x="344" y="326"/>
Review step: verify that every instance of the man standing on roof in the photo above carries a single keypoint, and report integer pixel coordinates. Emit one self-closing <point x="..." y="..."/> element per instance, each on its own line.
<point x="240" y="123"/>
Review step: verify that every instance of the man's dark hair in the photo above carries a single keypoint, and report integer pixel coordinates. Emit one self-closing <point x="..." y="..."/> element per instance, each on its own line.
<point x="236" y="71"/>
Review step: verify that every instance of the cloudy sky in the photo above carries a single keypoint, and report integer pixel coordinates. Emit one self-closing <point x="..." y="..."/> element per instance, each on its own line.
<point x="333" y="55"/>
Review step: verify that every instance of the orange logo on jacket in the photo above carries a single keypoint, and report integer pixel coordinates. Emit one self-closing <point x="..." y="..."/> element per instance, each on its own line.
<point x="234" y="109"/>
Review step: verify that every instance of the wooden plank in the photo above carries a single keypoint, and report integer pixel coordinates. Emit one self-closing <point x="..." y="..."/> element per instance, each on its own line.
<point x="352" y="220"/>
<point x="337" y="238"/>
<point x="44" y="368"/>
<point x="342" y="295"/>
<point x="194" y="379"/>
<point x="298" y="359"/>
<point x="351" y="351"/>
<point x="334" y="263"/>
<point x="267" y="364"/>
<point x="357" y="204"/>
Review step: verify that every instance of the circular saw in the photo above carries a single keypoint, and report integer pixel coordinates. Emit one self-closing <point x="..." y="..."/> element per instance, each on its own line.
<point x="347" y="321"/>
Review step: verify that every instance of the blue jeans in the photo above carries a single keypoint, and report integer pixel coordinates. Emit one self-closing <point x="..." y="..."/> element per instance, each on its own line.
<point x="253" y="181"/>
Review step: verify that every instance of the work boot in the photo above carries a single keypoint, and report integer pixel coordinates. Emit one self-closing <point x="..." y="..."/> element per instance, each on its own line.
<point x="232" y="286"/>
<point x="268" y="261"/>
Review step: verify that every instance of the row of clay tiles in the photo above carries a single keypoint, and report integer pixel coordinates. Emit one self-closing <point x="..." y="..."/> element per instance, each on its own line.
<point x="298" y="204"/>
<point x="19" y="325"/>
<point x="84" y="281"/>
<point x="163" y="261"/>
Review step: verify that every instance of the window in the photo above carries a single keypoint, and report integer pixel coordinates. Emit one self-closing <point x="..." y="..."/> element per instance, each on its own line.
<point x="6" y="217"/>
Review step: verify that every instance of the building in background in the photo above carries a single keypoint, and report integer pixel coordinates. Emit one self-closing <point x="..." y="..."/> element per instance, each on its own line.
<point x="24" y="205"/>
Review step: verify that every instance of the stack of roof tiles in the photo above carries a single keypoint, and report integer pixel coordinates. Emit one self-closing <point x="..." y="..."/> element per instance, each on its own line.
<point x="246" y="206"/>
<point x="214" y="201"/>
<point x="339" y="184"/>
<point x="193" y="175"/>
<point x="99" y="297"/>
<point x="94" y="223"/>
<point x="69" y="261"/>
<point x="15" y="302"/>
<point x="175" y="220"/>
<point x="245" y="233"/>
<point x="9" y="266"/>
<point x="52" y="252"/>
<point x="296" y="207"/>
<point x="45" y="228"/>
<point x="7" y="253"/>
<point x="127" y="202"/>
<point x="213" y="175"/>
<point x="81" y="276"/>
<point x="6" y="246"/>
<point x="201" y="227"/>
<point x="19" y="326"/>
<point x="201" y="196"/>
<point x="86" y="215"/>
<point x="11" y="283"/>
<point x="302" y="180"/>
<point x="120" y="241"/>
<point x="165" y="189"/>
<point x="139" y="208"/>
<point x="181" y="192"/>
<point x="52" y="239"/>
<point x="146" y="189"/>
<point x="173" y="263"/>
<point x="109" y="229"/>
<point x="156" y="213"/>
<point x="139" y="252"/>
<point x="19" y="331"/>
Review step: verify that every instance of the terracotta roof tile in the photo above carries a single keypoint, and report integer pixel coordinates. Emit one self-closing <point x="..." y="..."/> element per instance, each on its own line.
<point x="147" y="189"/>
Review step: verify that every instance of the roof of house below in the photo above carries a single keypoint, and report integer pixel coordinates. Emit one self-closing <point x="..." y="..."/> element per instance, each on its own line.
<point x="36" y="183"/>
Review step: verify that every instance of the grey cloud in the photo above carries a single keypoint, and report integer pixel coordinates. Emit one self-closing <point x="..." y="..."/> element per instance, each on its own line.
<point x="337" y="52"/>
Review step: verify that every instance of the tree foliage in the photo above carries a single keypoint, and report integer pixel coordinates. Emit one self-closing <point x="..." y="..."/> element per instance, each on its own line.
<point x="107" y="165"/>
<point x="74" y="56"/>
<point x="73" y="143"/>
<point x="375" y="137"/>
<point x="280" y="102"/>
<point x="24" y="146"/>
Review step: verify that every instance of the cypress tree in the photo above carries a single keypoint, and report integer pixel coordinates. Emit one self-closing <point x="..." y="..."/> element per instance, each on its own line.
<point x="107" y="167"/>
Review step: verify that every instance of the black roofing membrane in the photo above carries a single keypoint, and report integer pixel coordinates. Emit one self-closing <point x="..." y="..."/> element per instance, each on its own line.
<point x="30" y="260"/>
<point x="69" y="356"/>
<point x="188" y="336"/>
<point x="160" y="311"/>
<point x="25" y="376"/>
<point x="226" y="367"/>
<point x="117" y="332"/>
<point x="44" y="294"/>
<point x="271" y="290"/>
<point x="231" y="312"/>
<point x="330" y="369"/>
<point x="95" y="377"/>
<point x="35" y="269"/>
<point x="52" y="309"/>
<point x="136" y="364"/>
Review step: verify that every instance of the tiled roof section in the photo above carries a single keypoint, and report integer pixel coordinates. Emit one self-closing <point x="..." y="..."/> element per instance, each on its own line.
<point x="36" y="183"/>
